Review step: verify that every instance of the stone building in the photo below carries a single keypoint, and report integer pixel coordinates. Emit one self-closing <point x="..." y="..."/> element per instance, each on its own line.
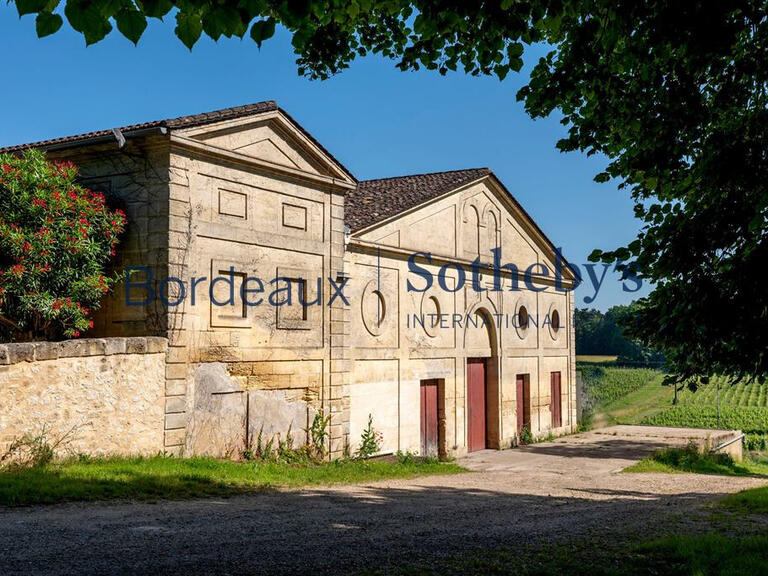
<point x="247" y="193"/>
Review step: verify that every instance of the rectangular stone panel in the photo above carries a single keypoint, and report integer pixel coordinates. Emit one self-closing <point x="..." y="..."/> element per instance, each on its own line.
<point x="233" y="204"/>
<point x="294" y="216"/>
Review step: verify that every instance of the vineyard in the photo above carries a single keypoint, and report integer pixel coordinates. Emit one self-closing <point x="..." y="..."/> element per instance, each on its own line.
<point x="620" y="392"/>
<point x="742" y="407"/>
<point x="604" y="384"/>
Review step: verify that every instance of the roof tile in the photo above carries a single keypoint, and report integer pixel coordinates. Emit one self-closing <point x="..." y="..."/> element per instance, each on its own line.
<point x="377" y="200"/>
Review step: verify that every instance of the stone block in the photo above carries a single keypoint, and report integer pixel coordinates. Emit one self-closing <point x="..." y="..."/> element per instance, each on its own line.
<point x="114" y="346"/>
<point x="175" y="421"/>
<point x="175" y="437"/>
<point x="240" y="368"/>
<point x="135" y="345"/>
<point x="73" y="348"/>
<point x="156" y="344"/>
<point x="173" y="371"/>
<point x="175" y="387"/>
<point x="95" y="347"/>
<point x="46" y="351"/>
<point x="175" y="404"/>
<point x="176" y="355"/>
<point x="20" y="352"/>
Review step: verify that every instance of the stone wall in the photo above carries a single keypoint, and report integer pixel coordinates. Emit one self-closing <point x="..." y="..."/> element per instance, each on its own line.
<point x="109" y="391"/>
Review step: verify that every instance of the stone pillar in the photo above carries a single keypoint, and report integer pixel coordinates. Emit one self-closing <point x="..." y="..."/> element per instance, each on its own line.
<point x="573" y="403"/>
<point x="337" y="402"/>
<point x="177" y="369"/>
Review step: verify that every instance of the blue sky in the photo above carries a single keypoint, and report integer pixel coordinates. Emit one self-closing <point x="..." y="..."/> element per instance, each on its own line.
<point x="375" y="119"/>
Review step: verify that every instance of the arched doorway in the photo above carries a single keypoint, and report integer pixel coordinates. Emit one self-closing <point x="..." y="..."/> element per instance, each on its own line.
<point x="482" y="381"/>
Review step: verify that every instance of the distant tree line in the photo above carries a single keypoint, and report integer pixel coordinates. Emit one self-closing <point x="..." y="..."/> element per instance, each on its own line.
<point x="603" y="334"/>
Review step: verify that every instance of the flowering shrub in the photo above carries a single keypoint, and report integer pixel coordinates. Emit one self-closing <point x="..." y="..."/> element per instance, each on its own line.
<point x="56" y="241"/>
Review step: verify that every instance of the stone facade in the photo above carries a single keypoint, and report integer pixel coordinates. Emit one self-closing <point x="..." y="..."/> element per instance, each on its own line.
<point x="107" y="392"/>
<point x="392" y="357"/>
<point x="252" y="194"/>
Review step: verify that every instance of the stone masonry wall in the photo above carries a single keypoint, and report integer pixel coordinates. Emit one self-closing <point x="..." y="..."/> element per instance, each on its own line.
<point x="109" y="391"/>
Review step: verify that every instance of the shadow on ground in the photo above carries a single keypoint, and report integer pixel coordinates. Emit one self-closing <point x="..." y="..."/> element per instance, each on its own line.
<point x="613" y="448"/>
<point x="323" y="531"/>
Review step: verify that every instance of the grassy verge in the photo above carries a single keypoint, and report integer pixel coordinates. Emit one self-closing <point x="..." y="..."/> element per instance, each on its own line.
<point x="690" y="460"/>
<point x="173" y="478"/>
<point x="602" y="359"/>
<point x="636" y="406"/>
<point x="711" y="554"/>
<point x="752" y="501"/>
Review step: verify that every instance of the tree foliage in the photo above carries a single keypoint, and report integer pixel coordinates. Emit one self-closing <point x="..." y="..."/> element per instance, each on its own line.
<point x="672" y="93"/>
<point x="56" y="240"/>
<point x="599" y="333"/>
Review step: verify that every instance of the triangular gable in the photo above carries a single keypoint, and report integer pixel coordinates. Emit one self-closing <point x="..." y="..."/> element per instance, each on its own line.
<point x="271" y="137"/>
<point x="466" y="222"/>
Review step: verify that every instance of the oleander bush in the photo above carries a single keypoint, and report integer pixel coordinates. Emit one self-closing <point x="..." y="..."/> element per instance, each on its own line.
<point x="56" y="242"/>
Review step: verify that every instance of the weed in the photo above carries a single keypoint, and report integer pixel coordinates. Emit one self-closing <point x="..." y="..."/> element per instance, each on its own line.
<point x="370" y="440"/>
<point x="525" y="436"/>
<point x="35" y="450"/>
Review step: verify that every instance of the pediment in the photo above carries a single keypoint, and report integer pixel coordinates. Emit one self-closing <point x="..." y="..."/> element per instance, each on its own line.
<point x="469" y="222"/>
<point x="273" y="138"/>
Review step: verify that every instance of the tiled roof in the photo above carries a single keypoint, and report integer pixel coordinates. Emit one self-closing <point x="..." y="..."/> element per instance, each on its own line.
<point x="377" y="200"/>
<point x="178" y="123"/>
<point x="181" y="122"/>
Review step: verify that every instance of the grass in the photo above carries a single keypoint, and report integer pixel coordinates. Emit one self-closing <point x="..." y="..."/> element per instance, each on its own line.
<point x="595" y="358"/>
<point x="752" y="501"/>
<point x="634" y="407"/>
<point x="173" y="478"/>
<point x="691" y="460"/>
<point x="622" y="395"/>
<point x="710" y="554"/>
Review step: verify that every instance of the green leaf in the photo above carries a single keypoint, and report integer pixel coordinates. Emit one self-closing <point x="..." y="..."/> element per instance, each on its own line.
<point x="131" y="23"/>
<point x="253" y="8"/>
<point x="596" y="255"/>
<point x="223" y="20"/>
<point x="88" y="19"/>
<point x="189" y="27"/>
<point x="47" y="24"/>
<point x="155" y="8"/>
<point x="262" y="30"/>
<point x="30" y="6"/>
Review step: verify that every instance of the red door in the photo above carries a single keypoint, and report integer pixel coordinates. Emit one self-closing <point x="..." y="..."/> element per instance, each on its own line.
<point x="520" y="402"/>
<point x="476" y="432"/>
<point x="429" y="418"/>
<point x="556" y="400"/>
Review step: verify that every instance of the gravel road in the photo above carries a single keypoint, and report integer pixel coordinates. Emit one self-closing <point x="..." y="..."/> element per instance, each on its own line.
<point x="534" y="494"/>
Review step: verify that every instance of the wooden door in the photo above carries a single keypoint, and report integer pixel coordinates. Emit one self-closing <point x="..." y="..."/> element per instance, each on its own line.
<point x="429" y="418"/>
<point x="522" y="392"/>
<point x="556" y="401"/>
<point x="476" y="405"/>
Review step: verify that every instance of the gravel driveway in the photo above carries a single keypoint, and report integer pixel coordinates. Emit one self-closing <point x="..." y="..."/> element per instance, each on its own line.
<point x="534" y="494"/>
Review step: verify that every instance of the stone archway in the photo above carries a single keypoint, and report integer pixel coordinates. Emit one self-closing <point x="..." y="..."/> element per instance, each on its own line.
<point x="482" y="371"/>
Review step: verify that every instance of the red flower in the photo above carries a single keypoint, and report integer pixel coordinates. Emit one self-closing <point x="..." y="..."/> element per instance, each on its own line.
<point x="76" y="334"/>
